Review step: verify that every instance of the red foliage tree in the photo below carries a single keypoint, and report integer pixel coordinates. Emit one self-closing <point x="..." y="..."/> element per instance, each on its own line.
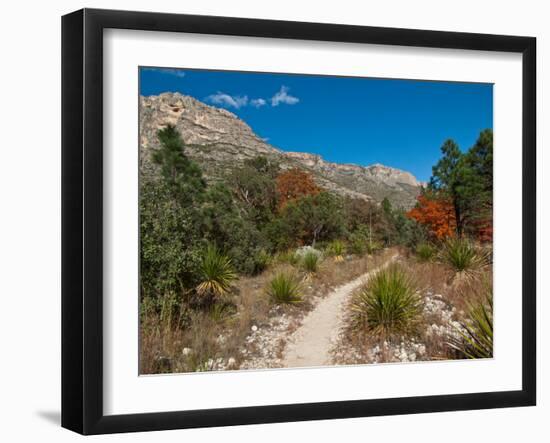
<point x="293" y="184"/>
<point x="482" y="228"/>
<point x="436" y="213"/>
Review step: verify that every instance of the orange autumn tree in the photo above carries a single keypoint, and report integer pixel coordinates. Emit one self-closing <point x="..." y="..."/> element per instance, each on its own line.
<point x="436" y="213"/>
<point x="293" y="184"/>
<point x="482" y="226"/>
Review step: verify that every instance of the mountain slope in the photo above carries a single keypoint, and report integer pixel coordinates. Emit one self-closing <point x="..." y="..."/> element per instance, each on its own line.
<point x="219" y="141"/>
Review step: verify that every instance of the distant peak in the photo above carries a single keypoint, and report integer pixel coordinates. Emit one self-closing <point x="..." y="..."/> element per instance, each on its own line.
<point x="216" y="136"/>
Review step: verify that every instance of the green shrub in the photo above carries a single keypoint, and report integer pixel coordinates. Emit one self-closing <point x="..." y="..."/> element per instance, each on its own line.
<point x="261" y="261"/>
<point x="310" y="262"/>
<point x="289" y="257"/>
<point x="308" y="220"/>
<point x="373" y="247"/>
<point x="461" y="255"/>
<point x="358" y="243"/>
<point x="388" y="304"/>
<point x="337" y="249"/>
<point x="170" y="242"/>
<point x="285" y="288"/>
<point x="217" y="273"/>
<point x="474" y="337"/>
<point x="425" y="252"/>
<point x="223" y="224"/>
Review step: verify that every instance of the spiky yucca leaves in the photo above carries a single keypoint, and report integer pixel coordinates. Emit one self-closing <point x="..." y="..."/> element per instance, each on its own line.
<point x="285" y="288"/>
<point x="474" y="337"/>
<point x="221" y="311"/>
<point x="388" y="304"/>
<point x="310" y="262"/>
<point x="337" y="250"/>
<point x="217" y="273"/>
<point x="425" y="252"/>
<point x="462" y="255"/>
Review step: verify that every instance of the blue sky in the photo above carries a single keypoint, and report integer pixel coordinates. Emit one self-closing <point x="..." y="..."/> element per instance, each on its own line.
<point x="399" y="123"/>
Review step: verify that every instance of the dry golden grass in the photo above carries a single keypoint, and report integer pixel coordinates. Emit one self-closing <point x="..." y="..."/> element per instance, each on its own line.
<point x="222" y="335"/>
<point x="456" y="288"/>
<point x="429" y="277"/>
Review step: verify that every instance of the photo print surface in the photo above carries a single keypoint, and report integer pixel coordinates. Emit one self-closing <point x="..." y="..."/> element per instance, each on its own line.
<point x="294" y="221"/>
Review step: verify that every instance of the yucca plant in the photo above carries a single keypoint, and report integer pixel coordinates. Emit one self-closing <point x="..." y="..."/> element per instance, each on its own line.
<point x="388" y="304"/>
<point x="217" y="273"/>
<point x="221" y="311"/>
<point x="458" y="253"/>
<point x="337" y="250"/>
<point x="285" y="288"/>
<point x="462" y="255"/>
<point x="310" y="262"/>
<point x="474" y="337"/>
<point x="425" y="252"/>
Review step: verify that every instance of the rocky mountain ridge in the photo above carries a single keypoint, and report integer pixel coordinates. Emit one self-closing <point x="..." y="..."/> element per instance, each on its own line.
<point x="219" y="141"/>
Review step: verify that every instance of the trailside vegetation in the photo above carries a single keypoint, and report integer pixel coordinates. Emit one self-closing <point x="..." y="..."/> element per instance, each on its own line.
<point x="459" y="197"/>
<point x="199" y="238"/>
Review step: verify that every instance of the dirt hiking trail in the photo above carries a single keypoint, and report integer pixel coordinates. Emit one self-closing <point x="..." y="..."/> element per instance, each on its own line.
<point x="311" y="343"/>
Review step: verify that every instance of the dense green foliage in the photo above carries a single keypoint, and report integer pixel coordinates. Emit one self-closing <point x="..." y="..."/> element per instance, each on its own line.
<point x="170" y="219"/>
<point x="196" y="237"/>
<point x="307" y="220"/>
<point x="224" y="225"/>
<point x="180" y="215"/>
<point x="388" y="304"/>
<point x="467" y="180"/>
<point x="359" y="240"/>
<point x="183" y="220"/>
<point x="255" y="188"/>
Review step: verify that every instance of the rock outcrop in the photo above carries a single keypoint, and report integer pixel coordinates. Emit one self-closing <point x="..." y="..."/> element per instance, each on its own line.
<point x="219" y="141"/>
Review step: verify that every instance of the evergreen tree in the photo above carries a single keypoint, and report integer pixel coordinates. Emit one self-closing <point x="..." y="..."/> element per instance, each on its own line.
<point x="480" y="159"/>
<point x="182" y="176"/>
<point x="451" y="176"/>
<point x="466" y="180"/>
<point x="170" y="219"/>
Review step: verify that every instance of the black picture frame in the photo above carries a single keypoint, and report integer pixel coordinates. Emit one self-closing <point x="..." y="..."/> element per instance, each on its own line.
<point x="82" y="218"/>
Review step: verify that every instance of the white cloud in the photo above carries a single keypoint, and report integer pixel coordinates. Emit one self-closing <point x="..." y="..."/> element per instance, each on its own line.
<point x="239" y="101"/>
<point x="231" y="101"/>
<point x="258" y="102"/>
<point x="176" y="72"/>
<point x="283" y="97"/>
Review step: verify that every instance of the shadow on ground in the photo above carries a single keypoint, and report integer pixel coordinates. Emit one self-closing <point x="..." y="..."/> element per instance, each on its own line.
<point x="54" y="417"/>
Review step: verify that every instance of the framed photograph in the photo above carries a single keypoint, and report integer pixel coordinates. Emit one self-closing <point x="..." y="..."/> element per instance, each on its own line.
<point x="269" y="221"/>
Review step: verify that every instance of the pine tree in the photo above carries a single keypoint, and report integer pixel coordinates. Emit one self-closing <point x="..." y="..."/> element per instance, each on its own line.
<point x="182" y="176"/>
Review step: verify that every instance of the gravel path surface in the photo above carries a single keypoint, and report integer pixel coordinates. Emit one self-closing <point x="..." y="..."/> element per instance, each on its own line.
<point x="311" y="343"/>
